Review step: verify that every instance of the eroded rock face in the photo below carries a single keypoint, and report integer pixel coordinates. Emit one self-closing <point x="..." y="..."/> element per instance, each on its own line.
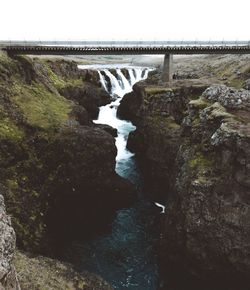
<point x="44" y="273"/>
<point x="84" y="184"/>
<point x="53" y="158"/>
<point x="247" y="84"/>
<point x="130" y="105"/>
<point x="198" y="151"/>
<point x="157" y="112"/>
<point x="228" y="97"/>
<point x="8" y="279"/>
<point x="207" y="222"/>
<point x="87" y="95"/>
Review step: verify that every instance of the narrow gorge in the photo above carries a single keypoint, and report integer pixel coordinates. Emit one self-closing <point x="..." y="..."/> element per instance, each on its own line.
<point x="109" y="179"/>
<point x="125" y="257"/>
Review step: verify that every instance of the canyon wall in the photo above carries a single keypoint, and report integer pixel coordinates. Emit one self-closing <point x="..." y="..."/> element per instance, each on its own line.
<point x="57" y="166"/>
<point x="193" y="145"/>
<point x="8" y="276"/>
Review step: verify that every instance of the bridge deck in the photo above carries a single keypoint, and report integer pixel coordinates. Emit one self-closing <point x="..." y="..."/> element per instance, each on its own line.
<point x="133" y="47"/>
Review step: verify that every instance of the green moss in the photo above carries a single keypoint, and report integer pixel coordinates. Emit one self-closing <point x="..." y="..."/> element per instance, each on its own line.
<point x="157" y="90"/>
<point x="42" y="273"/>
<point x="200" y="103"/>
<point x="235" y="82"/>
<point x="41" y="107"/>
<point x="219" y="112"/>
<point x="170" y="123"/>
<point x="200" y="161"/>
<point x="8" y="130"/>
<point x="196" y="121"/>
<point x="12" y="184"/>
<point x="55" y="79"/>
<point x="59" y="82"/>
<point x="163" y="122"/>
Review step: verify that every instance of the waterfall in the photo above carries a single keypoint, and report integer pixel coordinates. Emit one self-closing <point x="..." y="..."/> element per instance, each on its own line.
<point x="120" y="86"/>
<point x="103" y="81"/>
<point x="132" y="76"/>
<point x="116" y="89"/>
<point x="125" y="255"/>
<point x="125" y="83"/>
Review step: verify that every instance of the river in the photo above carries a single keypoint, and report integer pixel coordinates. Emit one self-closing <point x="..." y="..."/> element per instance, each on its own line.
<point x="124" y="256"/>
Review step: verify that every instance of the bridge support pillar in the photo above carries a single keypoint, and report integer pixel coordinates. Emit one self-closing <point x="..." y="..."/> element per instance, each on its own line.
<point x="167" y="68"/>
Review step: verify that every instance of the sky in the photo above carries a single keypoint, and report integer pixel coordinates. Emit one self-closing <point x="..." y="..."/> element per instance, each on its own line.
<point x="124" y="20"/>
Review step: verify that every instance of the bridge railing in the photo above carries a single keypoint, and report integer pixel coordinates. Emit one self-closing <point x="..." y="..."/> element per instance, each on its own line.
<point x="190" y="43"/>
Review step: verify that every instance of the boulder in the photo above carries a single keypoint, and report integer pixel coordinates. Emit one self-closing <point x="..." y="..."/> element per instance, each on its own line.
<point x="87" y="95"/>
<point x="112" y="131"/>
<point x="247" y="84"/>
<point x="131" y="104"/>
<point x="230" y="98"/>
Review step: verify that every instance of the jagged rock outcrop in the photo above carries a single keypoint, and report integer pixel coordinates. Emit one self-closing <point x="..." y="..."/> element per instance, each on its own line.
<point x="87" y="95"/>
<point x="84" y="182"/>
<point x="112" y="131"/>
<point x="8" y="277"/>
<point x="157" y="113"/>
<point x="230" y="98"/>
<point x="195" y="144"/>
<point x="206" y="227"/>
<point x="247" y="84"/>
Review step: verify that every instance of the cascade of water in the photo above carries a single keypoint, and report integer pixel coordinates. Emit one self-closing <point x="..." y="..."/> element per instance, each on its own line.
<point x="126" y="85"/>
<point x="131" y="76"/>
<point x="135" y="267"/>
<point x="103" y="81"/>
<point x="138" y="74"/>
<point x="116" y="89"/>
<point x="107" y="114"/>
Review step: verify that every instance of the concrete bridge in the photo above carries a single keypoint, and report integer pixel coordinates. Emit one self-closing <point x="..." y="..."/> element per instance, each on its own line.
<point x="168" y="48"/>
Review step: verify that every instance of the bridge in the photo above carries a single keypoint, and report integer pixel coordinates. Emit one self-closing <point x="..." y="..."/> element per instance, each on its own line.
<point x="167" y="48"/>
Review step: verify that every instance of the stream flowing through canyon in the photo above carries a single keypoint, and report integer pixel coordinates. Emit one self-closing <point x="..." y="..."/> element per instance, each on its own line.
<point x="125" y="256"/>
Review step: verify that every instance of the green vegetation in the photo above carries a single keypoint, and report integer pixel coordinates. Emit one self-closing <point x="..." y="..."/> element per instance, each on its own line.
<point x="42" y="273"/>
<point x="8" y="130"/>
<point x="200" y="161"/>
<point x="59" y="82"/>
<point x="163" y="122"/>
<point x="41" y="107"/>
<point x="200" y="103"/>
<point x="157" y="90"/>
<point x="31" y="109"/>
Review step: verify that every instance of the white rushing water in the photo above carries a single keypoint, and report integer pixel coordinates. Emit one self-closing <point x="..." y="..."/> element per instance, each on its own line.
<point x="119" y="86"/>
<point x="125" y="256"/>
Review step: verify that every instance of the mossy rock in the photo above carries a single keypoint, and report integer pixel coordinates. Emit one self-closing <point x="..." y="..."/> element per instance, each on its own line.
<point x="42" y="273"/>
<point x="153" y="90"/>
<point x="199" y="104"/>
<point x="8" y="129"/>
<point x="163" y="122"/>
<point x="200" y="161"/>
<point x="40" y="107"/>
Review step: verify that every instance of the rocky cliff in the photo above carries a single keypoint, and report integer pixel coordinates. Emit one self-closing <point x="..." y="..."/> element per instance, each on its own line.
<point x="206" y="228"/>
<point x="57" y="166"/>
<point x="157" y="112"/>
<point x="193" y="145"/>
<point x="53" y="158"/>
<point x="8" y="277"/>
